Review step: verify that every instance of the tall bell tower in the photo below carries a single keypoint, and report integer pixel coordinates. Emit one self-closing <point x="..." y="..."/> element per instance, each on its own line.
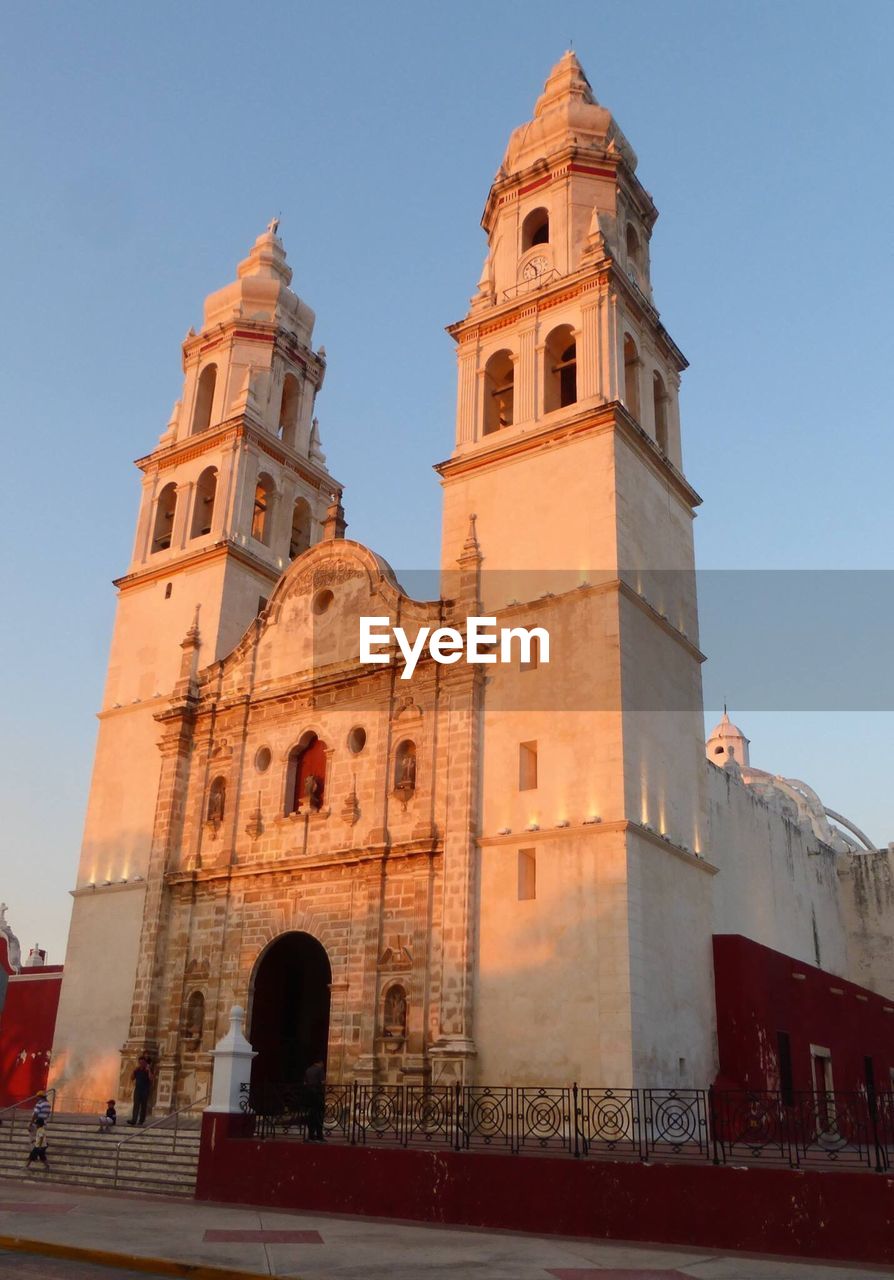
<point x="568" y="453"/>
<point x="236" y="487"/>
<point x="562" y="343"/>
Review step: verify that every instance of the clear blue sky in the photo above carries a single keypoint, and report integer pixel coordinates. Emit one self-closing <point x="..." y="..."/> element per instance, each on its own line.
<point x="145" y="146"/>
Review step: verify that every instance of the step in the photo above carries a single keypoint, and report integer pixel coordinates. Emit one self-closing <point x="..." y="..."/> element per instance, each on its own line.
<point x="158" y="1161"/>
<point x="62" y="1156"/>
<point x="109" y="1153"/>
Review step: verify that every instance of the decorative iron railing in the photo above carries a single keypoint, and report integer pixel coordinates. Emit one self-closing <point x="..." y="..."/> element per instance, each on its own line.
<point x="850" y="1130"/>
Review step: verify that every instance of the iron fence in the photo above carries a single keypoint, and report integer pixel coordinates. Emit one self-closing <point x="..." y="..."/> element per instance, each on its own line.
<point x="723" y="1126"/>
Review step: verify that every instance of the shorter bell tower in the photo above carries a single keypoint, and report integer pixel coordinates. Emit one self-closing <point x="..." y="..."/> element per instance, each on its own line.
<point x="235" y="489"/>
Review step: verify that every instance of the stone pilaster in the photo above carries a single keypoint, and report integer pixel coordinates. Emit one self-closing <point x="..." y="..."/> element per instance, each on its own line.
<point x="527" y="392"/>
<point x="454" y="1045"/>
<point x="176" y="747"/>
<point x="589" y="356"/>
<point x="466" y="407"/>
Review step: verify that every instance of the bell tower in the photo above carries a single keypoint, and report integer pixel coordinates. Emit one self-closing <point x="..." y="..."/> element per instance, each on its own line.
<point x="235" y="489"/>
<point x="562" y="347"/>
<point x="568" y="453"/>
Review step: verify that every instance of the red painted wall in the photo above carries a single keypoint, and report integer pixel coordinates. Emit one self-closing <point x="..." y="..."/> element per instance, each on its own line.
<point x="843" y="1216"/>
<point x="759" y="993"/>
<point x="26" y="1031"/>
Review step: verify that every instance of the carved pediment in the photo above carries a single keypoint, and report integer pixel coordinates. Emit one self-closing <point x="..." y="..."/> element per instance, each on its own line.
<point x="330" y="574"/>
<point x="397" y="955"/>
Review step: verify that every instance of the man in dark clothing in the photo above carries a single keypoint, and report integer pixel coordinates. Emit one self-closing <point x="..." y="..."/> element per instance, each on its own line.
<point x="142" y="1084"/>
<point x="315" y="1094"/>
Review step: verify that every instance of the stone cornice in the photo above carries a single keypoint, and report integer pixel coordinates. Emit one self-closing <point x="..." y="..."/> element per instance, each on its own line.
<point x="625" y="589"/>
<point x="569" y="159"/>
<point x="199" y="344"/>
<point x="407" y="851"/>
<point x="218" y="551"/>
<point x="601" y="278"/>
<point x="228" y="433"/>
<point x="622" y="825"/>
<point x="592" y="420"/>
<point x="85" y="889"/>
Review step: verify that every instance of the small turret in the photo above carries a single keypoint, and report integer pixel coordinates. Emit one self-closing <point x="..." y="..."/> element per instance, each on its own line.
<point x="727" y="742"/>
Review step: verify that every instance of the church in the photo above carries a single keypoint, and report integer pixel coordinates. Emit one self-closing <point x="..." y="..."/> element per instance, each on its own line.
<point x="530" y="871"/>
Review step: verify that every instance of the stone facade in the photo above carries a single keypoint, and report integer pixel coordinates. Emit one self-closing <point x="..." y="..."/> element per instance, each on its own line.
<point x="376" y="868"/>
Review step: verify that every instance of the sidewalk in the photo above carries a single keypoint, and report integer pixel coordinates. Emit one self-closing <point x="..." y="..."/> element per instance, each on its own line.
<point x="267" y="1242"/>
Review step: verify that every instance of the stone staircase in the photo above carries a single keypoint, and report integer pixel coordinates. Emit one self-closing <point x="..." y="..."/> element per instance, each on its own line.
<point x="161" y="1160"/>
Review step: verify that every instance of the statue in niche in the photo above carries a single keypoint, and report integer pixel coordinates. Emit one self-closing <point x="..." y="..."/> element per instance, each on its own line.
<point x="312" y="791"/>
<point x="216" y="803"/>
<point x="195" y="1018"/>
<point x="405" y="768"/>
<point x="395" y="1013"/>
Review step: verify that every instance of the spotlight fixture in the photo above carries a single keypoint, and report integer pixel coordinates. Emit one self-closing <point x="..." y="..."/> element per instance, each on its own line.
<point x="533" y="826"/>
<point x="106" y="883"/>
<point x="563" y="823"/>
<point x="505" y="831"/>
<point x="594" y="817"/>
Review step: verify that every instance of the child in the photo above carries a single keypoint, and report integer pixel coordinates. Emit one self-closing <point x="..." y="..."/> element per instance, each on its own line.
<point x="107" y="1121"/>
<point x="39" y="1150"/>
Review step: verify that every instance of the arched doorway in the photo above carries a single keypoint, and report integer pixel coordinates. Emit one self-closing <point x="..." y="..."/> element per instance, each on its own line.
<point x="290" y="1009"/>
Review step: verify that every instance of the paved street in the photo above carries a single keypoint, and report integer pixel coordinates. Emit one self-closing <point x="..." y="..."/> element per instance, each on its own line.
<point x="32" y="1267"/>
<point x="272" y="1242"/>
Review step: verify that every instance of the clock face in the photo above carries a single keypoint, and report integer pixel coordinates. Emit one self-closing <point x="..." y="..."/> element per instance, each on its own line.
<point x="535" y="268"/>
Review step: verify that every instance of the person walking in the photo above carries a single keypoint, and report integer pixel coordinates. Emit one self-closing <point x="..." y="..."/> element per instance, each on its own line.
<point x="42" y="1108"/>
<point x="39" y="1146"/>
<point x="315" y="1096"/>
<point x="142" y="1078"/>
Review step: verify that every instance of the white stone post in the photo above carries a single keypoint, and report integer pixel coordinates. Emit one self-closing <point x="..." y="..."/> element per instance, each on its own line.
<point x="232" y="1065"/>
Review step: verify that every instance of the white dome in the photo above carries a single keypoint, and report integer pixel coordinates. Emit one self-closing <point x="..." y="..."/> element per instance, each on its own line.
<point x="727" y="742"/>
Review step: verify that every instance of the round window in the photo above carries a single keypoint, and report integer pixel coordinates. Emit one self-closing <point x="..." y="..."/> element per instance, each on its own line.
<point x="262" y="760"/>
<point x="322" y="600"/>
<point x="357" y="740"/>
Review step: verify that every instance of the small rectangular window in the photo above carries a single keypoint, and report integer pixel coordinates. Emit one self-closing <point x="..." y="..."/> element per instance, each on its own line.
<point x="527" y="766"/>
<point x="533" y="661"/>
<point x="527" y="875"/>
<point x="262" y="603"/>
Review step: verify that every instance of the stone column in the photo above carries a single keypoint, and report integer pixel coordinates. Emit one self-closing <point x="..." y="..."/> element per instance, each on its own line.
<point x="176" y="749"/>
<point x="466" y="406"/>
<point x="527" y="392"/>
<point x="454" y="1046"/>
<point x="338" y="1031"/>
<point x="227" y="485"/>
<point x="589" y="355"/>
<point x="374" y="883"/>
<point x="613" y="348"/>
<point x="186" y="496"/>
<point x="142" y="547"/>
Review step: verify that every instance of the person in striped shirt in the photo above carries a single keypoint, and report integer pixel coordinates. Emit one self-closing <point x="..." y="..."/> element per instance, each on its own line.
<point x="42" y="1108"/>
